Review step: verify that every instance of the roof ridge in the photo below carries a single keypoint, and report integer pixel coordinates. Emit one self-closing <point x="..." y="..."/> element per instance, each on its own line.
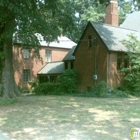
<point x="113" y="26"/>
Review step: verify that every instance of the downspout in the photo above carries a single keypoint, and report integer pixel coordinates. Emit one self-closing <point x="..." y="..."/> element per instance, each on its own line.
<point x="95" y="60"/>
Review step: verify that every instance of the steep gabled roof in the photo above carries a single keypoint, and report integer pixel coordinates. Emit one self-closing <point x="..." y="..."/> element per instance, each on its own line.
<point x="52" y="68"/>
<point x="112" y="35"/>
<point x="69" y="55"/>
<point x="132" y="21"/>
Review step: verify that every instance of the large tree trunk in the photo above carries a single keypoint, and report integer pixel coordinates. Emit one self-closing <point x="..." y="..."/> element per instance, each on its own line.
<point x="10" y="89"/>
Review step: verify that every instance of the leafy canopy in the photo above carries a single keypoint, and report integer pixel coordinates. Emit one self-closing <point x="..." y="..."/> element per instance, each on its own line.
<point x="132" y="73"/>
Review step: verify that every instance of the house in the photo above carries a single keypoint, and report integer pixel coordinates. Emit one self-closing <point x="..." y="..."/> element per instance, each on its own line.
<point x="100" y="53"/>
<point x="51" y="71"/>
<point x="69" y="59"/>
<point x="27" y="65"/>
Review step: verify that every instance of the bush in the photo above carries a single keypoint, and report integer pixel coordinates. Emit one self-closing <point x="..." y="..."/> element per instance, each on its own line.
<point x="101" y="89"/>
<point x="132" y="82"/>
<point x="48" y="89"/>
<point x="33" y="84"/>
<point x="119" y="93"/>
<point x="68" y="81"/>
<point x="24" y="89"/>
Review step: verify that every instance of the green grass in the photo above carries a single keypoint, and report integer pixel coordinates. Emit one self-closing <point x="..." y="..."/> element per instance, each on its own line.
<point x="4" y="102"/>
<point x="70" y="118"/>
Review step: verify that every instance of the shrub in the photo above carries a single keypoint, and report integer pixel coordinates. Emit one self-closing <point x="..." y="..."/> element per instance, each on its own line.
<point x="119" y="93"/>
<point x="24" y="89"/>
<point x="48" y="88"/>
<point x="101" y="89"/>
<point x="68" y="81"/>
<point x="33" y="84"/>
<point x="132" y="72"/>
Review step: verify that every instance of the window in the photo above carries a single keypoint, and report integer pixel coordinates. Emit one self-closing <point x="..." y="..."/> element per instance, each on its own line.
<point x="72" y="64"/>
<point x="66" y="65"/>
<point x="48" y="56"/>
<point x="26" y="75"/>
<point x="122" y="61"/>
<point x="119" y="61"/>
<point x="90" y="41"/>
<point x="26" y="53"/>
<point x="126" y="61"/>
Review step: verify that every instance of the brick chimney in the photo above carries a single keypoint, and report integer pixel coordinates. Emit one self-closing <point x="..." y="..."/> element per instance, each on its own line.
<point x="112" y="13"/>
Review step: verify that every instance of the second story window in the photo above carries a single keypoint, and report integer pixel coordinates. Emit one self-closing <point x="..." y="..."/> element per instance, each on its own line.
<point x="48" y="56"/>
<point x="26" y="53"/>
<point x="90" y="41"/>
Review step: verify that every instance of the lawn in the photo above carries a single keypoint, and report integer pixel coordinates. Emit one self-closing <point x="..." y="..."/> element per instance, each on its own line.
<point x="70" y="118"/>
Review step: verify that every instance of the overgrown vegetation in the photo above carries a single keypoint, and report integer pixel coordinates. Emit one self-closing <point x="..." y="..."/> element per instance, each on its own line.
<point x="67" y="84"/>
<point x="24" y="89"/>
<point x="132" y="73"/>
<point x="68" y="81"/>
<point x="33" y="84"/>
<point x="48" y="88"/>
<point x="102" y="90"/>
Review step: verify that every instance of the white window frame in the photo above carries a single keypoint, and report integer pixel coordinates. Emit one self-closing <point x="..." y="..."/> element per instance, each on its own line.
<point x="48" y="56"/>
<point x="26" y="53"/>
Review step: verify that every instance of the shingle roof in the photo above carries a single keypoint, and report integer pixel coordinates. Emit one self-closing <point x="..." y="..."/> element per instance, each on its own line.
<point x="132" y="21"/>
<point x="69" y="55"/>
<point x="112" y="35"/>
<point x="62" y="42"/>
<point x="52" y="68"/>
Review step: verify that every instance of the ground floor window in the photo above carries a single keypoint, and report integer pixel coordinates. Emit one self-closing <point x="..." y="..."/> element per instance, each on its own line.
<point x="69" y="65"/>
<point x="26" y="75"/>
<point x="122" y="61"/>
<point x="47" y="78"/>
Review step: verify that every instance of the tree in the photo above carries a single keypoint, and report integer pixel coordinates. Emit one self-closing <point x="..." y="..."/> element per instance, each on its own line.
<point x="124" y="8"/>
<point x="82" y="12"/>
<point x="132" y="73"/>
<point x="136" y="4"/>
<point x="25" y="18"/>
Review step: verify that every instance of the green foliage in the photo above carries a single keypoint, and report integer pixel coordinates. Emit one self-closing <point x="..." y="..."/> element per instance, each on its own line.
<point x="132" y="73"/>
<point x="94" y="13"/>
<point x="48" y="88"/>
<point x="69" y="80"/>
<point x="124" y="9"/>
<point x="101" y="89"/>
<point x="24" y="89"/>
<point x="33" y="84"/>
<point x="118" y="93"/>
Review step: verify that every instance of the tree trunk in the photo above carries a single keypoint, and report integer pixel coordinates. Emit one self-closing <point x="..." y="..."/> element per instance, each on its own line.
<point x="10" y="89"/>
